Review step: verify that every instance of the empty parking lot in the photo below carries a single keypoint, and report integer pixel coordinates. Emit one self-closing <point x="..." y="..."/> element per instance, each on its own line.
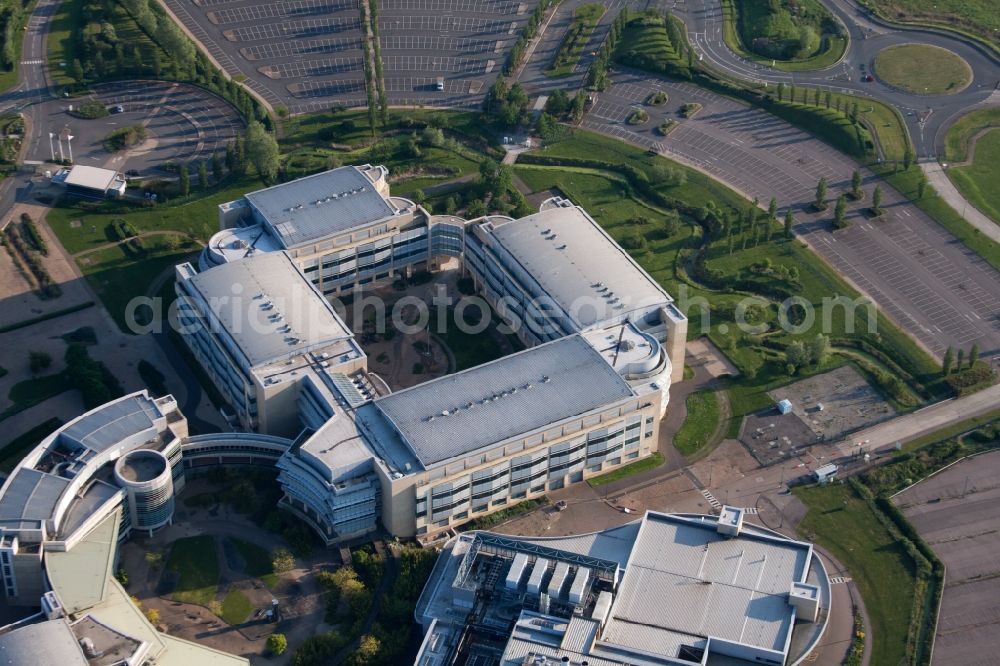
<point x="955" y="512"/>
<point x="938" y="290"/>
<point x="308" y="54"/>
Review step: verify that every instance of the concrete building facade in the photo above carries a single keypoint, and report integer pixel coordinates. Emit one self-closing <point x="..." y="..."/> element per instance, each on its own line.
<point x="420" y="461"/>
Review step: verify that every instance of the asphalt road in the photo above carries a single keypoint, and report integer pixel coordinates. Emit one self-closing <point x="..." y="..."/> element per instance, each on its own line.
<point x="184" y="123"/>
<point x="926" y="116"/>
<point x="932" y="285"/>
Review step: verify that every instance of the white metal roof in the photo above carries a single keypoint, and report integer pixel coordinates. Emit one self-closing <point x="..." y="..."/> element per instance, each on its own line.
<point x="512" y="396"/>
<point x="94" y="178"/>
<point x="315" y="207"/>
<point x="579" y="266"/>
<point x="255" y="299"/>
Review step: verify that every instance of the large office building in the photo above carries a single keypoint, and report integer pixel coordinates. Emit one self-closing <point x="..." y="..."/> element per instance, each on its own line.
<point x="68" y="505"/>
<point x="604" y="344"/>
<point x="665" y="590"/>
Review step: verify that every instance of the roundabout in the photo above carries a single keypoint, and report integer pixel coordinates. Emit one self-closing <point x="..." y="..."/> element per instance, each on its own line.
<point x="922" y="69"/>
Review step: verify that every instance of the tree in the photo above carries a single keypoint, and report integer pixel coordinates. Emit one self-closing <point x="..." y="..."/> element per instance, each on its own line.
<point x="796" y="354"/>
<point x="856" y="190"/>
<point x="277" y="644"/>
<point x="432" y="136"/>
<point x="820" y="202"/>
<point x="476" y="208"/>
<point x="185" y="181"/>
<point x="921" y="185"/>
<point x="38" y="361"/>
<point x="973" y="355"/>
<point x="418" y="196"/>
<point x="282" y="560"/>
<point x="960" y="360"/>
<point x="840" y="213"/>
<point x="558" y="103"/>
<point x="153" y="616"/>
<point x="781" y="89"/>
<point x="202" y="175"/>
<point x="789" y="223"/>
<point x="877" y="200"/>
<point x="262" y="151"/>
<point x="948" y="361"/>
<point x="76" y="70"/>
<point x="772" y="209"/>
<point x="217" y="167"/>
<point x="908" y="158"/>
<point x="819" y="348"/>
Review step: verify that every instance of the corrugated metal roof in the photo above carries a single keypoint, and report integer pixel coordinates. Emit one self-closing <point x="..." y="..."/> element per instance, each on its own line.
<point x="321" y="205"/>
<point x="244" y="313"/>
<point x="31" y="496"/>
<point x="578" y="265"/>
<point x="467" y="411"/>
<point x="113" y="422"/>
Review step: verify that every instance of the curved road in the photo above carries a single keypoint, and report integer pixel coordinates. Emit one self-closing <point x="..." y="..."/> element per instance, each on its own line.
<point x="925" y="116"/>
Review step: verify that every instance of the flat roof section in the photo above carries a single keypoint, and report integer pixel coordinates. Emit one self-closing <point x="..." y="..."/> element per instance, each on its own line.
<point x="321" y="205"/>
<point x="49" y="642"/>
<point x="94" y="178"/>
<point x="269" y="308"/>
<point x="452" y="416"/>
<point x="578" y="265"/>
<point x="735" y="589"/>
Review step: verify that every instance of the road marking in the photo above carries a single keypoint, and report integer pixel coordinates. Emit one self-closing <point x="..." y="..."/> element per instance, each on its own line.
<point x="839" y="580"/>
<point x="716" y="504"/>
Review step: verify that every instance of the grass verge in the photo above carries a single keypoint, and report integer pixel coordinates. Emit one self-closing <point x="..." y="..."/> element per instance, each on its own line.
<point x="701" y="423"/>
<point x="846" y="525"/>
<point x="978" y="181"/>
<point x="585" y="19"/>
<point x="649" y="462"/>
<point x="959" y="136"/>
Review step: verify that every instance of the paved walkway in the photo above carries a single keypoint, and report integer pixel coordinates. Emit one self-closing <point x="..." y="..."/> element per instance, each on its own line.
<point x="923" y="421"/>
<point x="947" y="191"/>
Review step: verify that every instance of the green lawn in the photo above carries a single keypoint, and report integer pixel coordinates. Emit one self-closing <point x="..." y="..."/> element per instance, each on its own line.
<point x="615" y="205"/>
<point x="701" y="422"/>
<point x="80" y="226"/>
<point x="117" y="277"/>
<point x="62" y="46"/>
<point x="585" y="19"/>
<point x="257" y="561"/>
<point x="956" y="141"/>
<point x="650" y="462"/>
<point x="12" y="452"/>
<point x="979" y="18"/>
<point x="845" y="525"/>
<point x="195" y="562"/>
<point x="922" y="69"/>
<point x="979" y="181"/>
<point x="236" y="607"/>
<point x="742" y="23"/>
